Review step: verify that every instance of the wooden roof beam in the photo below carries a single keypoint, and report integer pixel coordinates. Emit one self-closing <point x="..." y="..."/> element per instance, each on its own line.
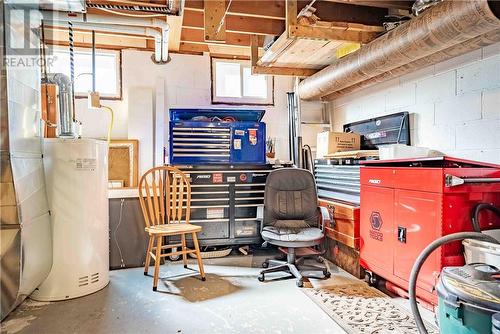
<point x="271" y="9"/>
<point x="394" y="4"/>
<point x="275" y="9"/>
<point x="329" y="33"/>
<point x="242" y="24"/>
<point x="238" y="39"/>
<point x="215" y="23"/>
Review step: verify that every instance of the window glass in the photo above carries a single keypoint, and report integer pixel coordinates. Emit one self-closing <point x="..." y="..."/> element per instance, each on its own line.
<point x="233" y="82"/>
<point x="254" y="85"/>
<point x="228" y="83"/>
<point x="107" y="71"/>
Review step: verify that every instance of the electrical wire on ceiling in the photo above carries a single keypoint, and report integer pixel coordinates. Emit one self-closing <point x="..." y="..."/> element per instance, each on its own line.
<point x="306" y="8"/>
<point x="131" y="15"/>
<point x="221" y="23"/>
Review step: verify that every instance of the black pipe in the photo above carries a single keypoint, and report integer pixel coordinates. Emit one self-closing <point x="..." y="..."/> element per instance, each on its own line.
<point x="421" y="260"/>
<point x="475" y="214"/>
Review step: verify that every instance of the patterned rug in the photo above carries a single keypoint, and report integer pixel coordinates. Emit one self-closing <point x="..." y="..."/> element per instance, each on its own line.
<point x="358" y="308"/>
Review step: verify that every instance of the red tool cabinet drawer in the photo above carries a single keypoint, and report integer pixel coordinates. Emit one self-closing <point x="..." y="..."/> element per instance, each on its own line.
<point x="380" y="177"/>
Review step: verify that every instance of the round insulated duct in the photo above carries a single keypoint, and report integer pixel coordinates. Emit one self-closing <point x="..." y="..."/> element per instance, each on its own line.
<point x="457" y="50"/>
<point x="441" y="27"/>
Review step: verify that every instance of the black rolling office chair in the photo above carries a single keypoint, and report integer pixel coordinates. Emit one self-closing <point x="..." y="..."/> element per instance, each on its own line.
<point x="290" y="221"/>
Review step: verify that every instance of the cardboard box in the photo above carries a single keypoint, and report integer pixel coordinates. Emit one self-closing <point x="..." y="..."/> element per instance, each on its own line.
<point x="329" y="142"/>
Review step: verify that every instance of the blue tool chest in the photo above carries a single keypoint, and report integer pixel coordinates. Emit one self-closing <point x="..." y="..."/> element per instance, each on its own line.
<point x="216" y="136"/>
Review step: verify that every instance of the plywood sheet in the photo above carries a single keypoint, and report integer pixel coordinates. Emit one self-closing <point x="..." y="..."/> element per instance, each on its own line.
<point x="301" y="53"/>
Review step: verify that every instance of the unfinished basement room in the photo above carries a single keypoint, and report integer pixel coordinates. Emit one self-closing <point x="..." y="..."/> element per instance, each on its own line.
<point x="250" y="166"/>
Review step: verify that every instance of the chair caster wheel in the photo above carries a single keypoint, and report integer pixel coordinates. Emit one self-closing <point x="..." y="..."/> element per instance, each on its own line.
<point x="203" y="279"/>
<point x="265" y="264"/>
<point x="261" y="278"/>
<point x="300" y="283"/>
<point x="185" y="266"/>
<point x="155" y="288"/>
<point x="371" y="279"/>
<point x="327" y="274"/>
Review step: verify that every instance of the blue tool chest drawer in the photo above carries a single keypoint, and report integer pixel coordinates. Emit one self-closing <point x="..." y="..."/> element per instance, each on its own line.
<point x="216" y="136"/>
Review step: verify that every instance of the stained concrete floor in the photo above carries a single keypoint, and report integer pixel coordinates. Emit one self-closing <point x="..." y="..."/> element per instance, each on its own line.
<point x="230" y="301"/>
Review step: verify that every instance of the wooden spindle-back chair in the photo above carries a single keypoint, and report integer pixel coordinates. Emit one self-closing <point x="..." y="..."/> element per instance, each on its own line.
<point x="165" y="198"/>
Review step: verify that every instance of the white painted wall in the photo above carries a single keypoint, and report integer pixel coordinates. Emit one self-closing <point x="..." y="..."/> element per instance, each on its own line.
<point x="454" y="105"/>
<point x="187" y="83"/>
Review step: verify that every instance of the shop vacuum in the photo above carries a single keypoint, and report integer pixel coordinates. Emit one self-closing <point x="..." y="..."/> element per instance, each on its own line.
<point x="469" y="296"/>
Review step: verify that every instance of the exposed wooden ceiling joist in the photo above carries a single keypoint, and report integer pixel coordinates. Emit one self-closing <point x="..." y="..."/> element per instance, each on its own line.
<point x="328" y="33"/>
<point x="246" y="17"/>
<point x="271" y="9"/>
<point x="197" y="36"/>
<point x="268" y="22"/>
<point x="395" y="4"/>
<point x="214" y="23"/>
<point x="244" y="24"/>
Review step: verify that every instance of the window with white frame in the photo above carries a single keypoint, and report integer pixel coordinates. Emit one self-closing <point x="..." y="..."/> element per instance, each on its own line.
<point x="107" y="71"/>
<point x="233" y="82"/>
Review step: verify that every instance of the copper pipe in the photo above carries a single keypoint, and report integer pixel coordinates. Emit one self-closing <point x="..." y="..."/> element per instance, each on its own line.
<point x="455" y="51"/>
<point x="441" y="27"/>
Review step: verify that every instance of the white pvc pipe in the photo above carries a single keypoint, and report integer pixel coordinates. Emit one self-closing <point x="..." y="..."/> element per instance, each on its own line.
<point x="164" y="44"/>
<point x="116" y="23"/>
<point x="158" y="42"/>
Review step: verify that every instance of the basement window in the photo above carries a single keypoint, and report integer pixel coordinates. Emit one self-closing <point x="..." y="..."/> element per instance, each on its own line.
<point x="108" y="71"/>
<point x="233" y="83"/>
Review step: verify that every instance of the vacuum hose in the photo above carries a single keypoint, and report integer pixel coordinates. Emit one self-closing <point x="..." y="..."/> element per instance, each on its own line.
<point x="420" y="262"/>
<point x="475" y="214"/>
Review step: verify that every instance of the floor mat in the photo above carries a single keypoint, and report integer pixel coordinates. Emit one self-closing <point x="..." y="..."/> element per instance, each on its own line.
<point x="358" y="308"/>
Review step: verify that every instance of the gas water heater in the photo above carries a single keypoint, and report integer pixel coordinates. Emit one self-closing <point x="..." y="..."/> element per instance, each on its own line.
<point x="76" y="176"/>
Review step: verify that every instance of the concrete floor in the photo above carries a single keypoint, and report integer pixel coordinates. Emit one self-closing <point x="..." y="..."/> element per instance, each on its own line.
<point x="230" y="301"/>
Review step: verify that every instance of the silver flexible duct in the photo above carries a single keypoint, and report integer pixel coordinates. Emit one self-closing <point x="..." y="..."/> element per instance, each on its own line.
<point x="65" y="100"/>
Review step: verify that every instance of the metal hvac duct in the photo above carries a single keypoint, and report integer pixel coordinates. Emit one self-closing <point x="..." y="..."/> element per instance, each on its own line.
<point x="65" y="99"/>
<point x="441" y="27"/>
<point x="25" y="234"/>
<point x="455" y="51"/>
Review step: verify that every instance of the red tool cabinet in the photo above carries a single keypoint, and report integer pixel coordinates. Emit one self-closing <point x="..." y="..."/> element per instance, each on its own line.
<point x="406" y="204"/>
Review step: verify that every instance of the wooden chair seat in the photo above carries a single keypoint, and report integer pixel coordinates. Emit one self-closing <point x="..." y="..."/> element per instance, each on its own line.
<point x="165" y="198"/>
<point x="173" y="229"/>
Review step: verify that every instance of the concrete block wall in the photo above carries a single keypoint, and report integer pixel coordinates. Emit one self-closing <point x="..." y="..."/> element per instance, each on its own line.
<point x="454" y="105"/>
<point x="186" y="83"/>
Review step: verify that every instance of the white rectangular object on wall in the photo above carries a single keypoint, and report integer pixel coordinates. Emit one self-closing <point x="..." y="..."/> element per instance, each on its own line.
<point x="159" y="122"/>
<point x="141" y="124"/>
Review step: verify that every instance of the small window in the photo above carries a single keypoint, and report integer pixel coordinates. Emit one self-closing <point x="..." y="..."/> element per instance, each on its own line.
<point x="107" y="71"/>
<point x="233" y="82"/>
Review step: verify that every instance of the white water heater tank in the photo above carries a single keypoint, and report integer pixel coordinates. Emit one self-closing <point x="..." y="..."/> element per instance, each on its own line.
<point x="76" y="176"/>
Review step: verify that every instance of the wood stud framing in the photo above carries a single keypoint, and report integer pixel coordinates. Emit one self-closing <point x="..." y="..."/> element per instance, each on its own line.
<point x="198" y="27"/>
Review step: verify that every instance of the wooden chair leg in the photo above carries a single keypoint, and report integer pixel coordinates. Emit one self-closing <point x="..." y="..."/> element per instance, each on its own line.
<point x="157" y="262"/>
<point x="198" y="256"/>
<point x="148" y="255"/>
<point x="184" y="249"/>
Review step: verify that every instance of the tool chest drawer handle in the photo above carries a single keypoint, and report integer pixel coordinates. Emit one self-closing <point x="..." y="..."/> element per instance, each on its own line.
<point x="452" y="181"/>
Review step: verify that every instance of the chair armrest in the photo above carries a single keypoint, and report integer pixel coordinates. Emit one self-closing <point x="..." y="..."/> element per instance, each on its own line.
<point x="325" y="217"/>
